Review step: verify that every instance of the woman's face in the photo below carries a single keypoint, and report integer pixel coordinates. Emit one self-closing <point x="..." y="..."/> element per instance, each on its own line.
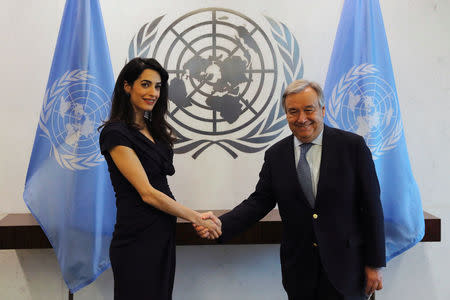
<point x="145" y="91"/>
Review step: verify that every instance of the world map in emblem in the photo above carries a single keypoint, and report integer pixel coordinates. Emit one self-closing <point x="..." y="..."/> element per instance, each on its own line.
<point x="220" y="62"/>
<point x="368" y="107"/>
<point x="70" y="118"/>
<point x="368" y="111"/>
<point x="224" y="77"/>
<point x="77" y="116"/>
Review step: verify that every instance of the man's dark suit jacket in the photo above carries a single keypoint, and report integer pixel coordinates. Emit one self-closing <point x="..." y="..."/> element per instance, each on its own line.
<point x="349" y="228"/>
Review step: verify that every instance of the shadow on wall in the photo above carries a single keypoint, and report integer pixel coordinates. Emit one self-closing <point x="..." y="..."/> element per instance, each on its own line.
<point x="223" y="272"/>
<point x="101" y="289"/>
<point x="40" y="277"/>
<point x="408" y="276"/>
<point x="44" y="280"/>
<point x="422" y="271"/>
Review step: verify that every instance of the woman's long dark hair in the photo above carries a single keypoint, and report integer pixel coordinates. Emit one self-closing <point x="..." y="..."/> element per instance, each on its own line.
<point x="122" y="110"/>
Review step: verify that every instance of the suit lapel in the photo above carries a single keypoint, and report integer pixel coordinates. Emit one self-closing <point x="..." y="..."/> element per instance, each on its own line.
<point x="288" y="158"/>
<point x="327" y="153"/>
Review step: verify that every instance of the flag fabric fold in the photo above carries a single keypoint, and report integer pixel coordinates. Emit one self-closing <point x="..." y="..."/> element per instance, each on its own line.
<point x="361" y="97"/>
<point x="67" y="187"/>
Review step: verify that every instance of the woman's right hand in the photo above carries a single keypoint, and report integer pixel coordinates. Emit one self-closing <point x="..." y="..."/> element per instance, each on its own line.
<point x="208" y="226"/>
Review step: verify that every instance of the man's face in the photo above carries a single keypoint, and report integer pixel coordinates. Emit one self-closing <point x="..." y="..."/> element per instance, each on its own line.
<point x="304" y="115"/>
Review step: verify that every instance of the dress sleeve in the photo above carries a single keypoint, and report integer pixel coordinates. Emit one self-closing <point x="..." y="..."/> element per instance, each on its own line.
<point x="112" y="135"/>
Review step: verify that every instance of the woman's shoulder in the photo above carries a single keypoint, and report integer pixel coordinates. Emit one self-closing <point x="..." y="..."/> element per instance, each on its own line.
<point x="115" y="130"/>
<point x="119" y="127"/>
<point x="114" y="134"/>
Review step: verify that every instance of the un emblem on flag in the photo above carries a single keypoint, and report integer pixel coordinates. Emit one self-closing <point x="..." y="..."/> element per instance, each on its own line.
<point x="363" y="102"/>
<point x="224" y="84"/>
<point x="74" y="107"/>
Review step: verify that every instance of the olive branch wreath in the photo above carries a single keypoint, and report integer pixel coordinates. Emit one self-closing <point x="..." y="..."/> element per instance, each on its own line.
<point x="69" y="161"/>
<point x="335" y="105"/>
<point x="261" y="134"/>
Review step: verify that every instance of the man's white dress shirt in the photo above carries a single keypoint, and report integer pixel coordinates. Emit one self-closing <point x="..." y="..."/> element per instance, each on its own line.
<point x="313" y="157"/>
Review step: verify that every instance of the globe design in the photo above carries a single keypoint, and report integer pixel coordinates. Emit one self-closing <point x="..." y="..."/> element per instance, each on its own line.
<point x="221" y="79"/>
<point x="75" y="118"/>
<point x="370" y="110"/>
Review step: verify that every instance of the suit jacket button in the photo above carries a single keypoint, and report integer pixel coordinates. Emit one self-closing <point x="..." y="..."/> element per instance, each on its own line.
<point x="315" y="245"/>
<point x="315" y="216"/>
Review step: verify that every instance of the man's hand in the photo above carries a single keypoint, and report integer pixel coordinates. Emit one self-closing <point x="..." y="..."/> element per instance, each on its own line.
<point x="374" y="280"/>
<point x="203" y="231"/>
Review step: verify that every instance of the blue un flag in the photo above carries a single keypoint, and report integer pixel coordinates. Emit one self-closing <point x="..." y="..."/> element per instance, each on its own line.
<point x="361" y="97"/>
<point x="67" y="188"/>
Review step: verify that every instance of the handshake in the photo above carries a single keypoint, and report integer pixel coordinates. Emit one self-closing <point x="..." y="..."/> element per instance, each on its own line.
<point x="208" y="226"/>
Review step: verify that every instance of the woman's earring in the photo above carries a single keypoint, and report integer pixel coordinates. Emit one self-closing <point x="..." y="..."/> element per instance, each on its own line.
<point x="148" y="115"/>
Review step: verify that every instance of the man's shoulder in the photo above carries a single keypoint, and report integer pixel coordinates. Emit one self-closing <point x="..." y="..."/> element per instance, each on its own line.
<point x="281" y="145"/>
<point x="342" y="135"/>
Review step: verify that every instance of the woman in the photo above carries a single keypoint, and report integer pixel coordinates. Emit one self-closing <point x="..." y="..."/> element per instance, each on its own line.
<point x="138" y="150"/>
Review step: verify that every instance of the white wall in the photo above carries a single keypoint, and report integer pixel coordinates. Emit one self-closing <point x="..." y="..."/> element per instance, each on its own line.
<point x="419" y="37"/>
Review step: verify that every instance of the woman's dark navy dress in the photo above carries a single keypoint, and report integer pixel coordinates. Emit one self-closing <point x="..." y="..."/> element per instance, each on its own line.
<point x="142" y="250"/>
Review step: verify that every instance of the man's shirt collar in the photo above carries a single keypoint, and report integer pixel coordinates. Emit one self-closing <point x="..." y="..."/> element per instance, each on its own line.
<point x="316" y="141"/>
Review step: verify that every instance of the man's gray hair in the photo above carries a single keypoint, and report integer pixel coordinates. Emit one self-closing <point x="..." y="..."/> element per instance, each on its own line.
<point x="300" y="85"/>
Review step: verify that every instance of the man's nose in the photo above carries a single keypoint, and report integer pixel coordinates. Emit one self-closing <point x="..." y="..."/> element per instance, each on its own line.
<point x="301" y="117"/>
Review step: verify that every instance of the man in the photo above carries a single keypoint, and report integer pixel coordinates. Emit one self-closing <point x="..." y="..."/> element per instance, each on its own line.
<point x="324" y="182"/>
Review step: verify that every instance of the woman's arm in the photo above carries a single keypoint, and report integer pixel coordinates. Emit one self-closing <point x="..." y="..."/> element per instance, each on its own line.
<point x="129" y="165"/>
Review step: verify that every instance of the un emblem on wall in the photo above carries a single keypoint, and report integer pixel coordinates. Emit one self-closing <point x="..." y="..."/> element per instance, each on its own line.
<point x="224" y="84"/>
<point x="363" y="102"/>
<point x="73" y="110"/>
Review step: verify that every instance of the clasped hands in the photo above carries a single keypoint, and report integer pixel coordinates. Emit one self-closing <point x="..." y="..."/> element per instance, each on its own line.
<point x="208" y="226"/>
